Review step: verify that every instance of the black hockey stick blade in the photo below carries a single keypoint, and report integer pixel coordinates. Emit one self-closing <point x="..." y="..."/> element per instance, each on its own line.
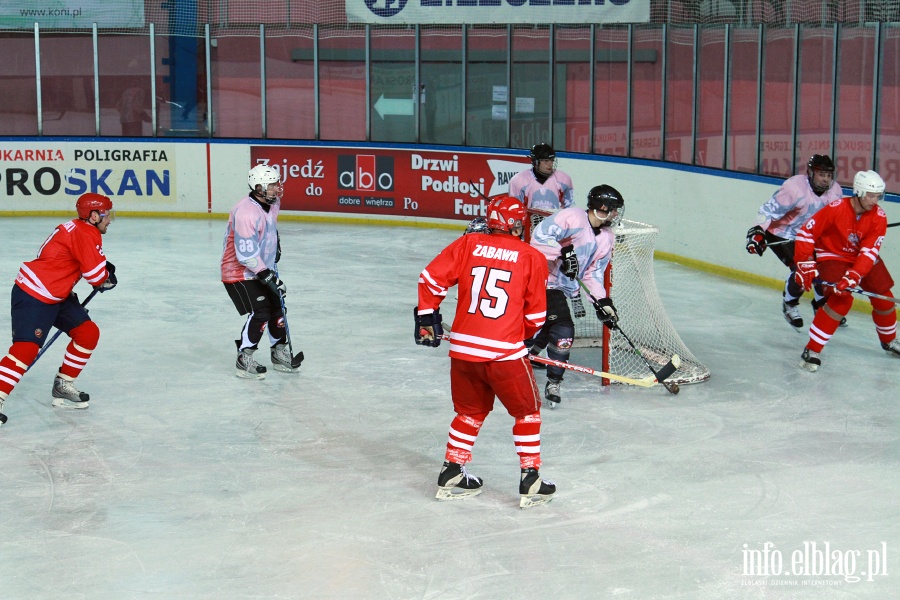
<point x="669" y="368"/>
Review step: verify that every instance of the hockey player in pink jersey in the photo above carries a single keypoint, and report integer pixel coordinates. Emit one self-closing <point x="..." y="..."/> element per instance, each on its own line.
<point x="542" y="187"/>
<point x="249" y="256"/>
<point x="578" y="244"/>
<point x="792" y="204"/>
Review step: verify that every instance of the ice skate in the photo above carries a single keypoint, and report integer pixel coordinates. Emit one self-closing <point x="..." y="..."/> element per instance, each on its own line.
<point x="551" y="393"/>
<point x="533" y="490"/>
<point x="66" y="395"/>
<point x="892" y="348"/>
<point x="2" y="416"/>
<point x="792" y="314"/>
<point x="246" y="367"/>
<point x="810" y="360"/>
<point x="283" y="361"/>
<point x="455" y="483"/>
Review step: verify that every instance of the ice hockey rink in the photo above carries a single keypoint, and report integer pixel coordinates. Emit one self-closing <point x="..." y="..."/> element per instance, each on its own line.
<point x="182" y="481"/>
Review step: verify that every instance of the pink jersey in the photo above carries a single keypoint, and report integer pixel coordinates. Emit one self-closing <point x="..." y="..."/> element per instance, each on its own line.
<point x="553" y="194"/>
<point x="594" y="251"/>
<point x="74" y="250"/>
<point x="251" y="241"/>
<point x="836" y="233"/>
<point x="792" y="205"/>
<point x="502" y="299"/>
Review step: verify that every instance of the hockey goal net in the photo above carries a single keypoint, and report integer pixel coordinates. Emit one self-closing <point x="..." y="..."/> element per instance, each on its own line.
<point x="631" y="285"/>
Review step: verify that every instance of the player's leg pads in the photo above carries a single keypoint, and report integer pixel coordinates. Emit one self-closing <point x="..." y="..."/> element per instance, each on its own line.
<point x="551" y="392"/>
<point x="246" y="367"/>
<point x="533" y="489"/>
<point x="810" y="360"/>
<point x="283" y="361"/>
<point x="455" y="483"/>
<point x="66" y="395"/>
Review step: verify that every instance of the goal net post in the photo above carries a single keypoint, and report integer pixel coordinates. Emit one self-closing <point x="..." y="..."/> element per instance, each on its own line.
<point x="631" y="285"/>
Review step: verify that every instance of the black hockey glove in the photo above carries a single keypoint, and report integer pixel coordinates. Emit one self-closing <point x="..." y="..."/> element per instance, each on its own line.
<point x="428" y="329"/>
<point x="274" y="287"/>
<point x="111" y="281"/>
<point x="569" y="264"/>
<point x="606" y="312"/>
<point x="756" y="240"/>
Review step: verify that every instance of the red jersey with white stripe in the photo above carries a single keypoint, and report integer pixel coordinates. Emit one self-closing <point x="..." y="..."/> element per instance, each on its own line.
<point x="837" y="233"/>
<point x="74" y="250"/>
<point x="502" y="299"/>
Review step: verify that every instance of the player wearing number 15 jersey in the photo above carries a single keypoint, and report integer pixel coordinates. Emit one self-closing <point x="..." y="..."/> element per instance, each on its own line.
<point x="501" y="282"/>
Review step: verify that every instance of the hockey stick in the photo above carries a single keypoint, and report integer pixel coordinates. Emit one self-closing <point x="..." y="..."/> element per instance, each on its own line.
<point x="645" y="382"/>
<point x="893" y="224"/>
<point x="287" y="330"/>
<point x="861" y="292"/>
<point x="59" y="331"/>
<point x="666" y="371"/>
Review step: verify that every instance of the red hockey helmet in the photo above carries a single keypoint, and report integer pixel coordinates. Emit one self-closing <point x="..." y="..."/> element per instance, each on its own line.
<point x="90" y="202"/>
<point x="505" y="213"/>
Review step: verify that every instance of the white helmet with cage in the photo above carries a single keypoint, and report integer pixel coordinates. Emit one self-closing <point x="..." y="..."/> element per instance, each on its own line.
<point x="868" y="181"/>
<point x="259" y="179"/>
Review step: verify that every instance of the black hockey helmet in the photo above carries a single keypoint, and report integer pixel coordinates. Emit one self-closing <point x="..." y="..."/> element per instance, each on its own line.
<point x="542" y="151"/>
<point x="819" y="162"/>
<point x="605" y="197"/>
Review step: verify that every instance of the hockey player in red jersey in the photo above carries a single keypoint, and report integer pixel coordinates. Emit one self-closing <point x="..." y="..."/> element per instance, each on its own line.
<point x="501" y="282"/>
<point x="249" y="255"/>
<point x="840" y="244"/>
<point x="42" y="298"/>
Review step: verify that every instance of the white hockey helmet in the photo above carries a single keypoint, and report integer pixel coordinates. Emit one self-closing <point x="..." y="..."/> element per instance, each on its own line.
<point x="868" y="181"/>
<point x="263" y="175"/>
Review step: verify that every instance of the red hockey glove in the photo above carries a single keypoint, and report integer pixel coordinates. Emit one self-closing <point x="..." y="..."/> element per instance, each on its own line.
<point x="756" y="240"/>
<point x="806" y="272"/>
<point x="850" y="280"/>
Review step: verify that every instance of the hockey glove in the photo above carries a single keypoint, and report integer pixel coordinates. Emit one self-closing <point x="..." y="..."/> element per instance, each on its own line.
<point x="478" y="225"/>
<point x="606" y="312"/>
<point x="850" y="280"/>
<point x="806" y="273"/>
<point x="569" y="264"/>
<point x="111" y="281"/>
<point x="756" y="240"/>
<point x="274" y="287"/>
<point x="428" y="328"/>
<point x="578" y="307"/>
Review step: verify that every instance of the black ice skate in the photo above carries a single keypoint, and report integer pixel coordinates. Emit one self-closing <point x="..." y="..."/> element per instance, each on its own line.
<point x="810" y="360"/>
<point x="533" y="490"/>
<point x="65" y="394"/>
<point x="551" y="393"/>
<point x="246" y="367"/>
<point x="283" y="361"/>
<point x="2" y="416"/>
<point x="455" y="483"/>
<point x="892" y="348"/>
<point x="792" y="314"/>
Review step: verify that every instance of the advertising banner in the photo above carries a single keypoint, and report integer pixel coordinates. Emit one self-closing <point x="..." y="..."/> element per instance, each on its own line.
<point x="47" y="174"/>
<point x="60" y="14"/>
<point x="477" y="12"/>
<point x="372" y="182"/>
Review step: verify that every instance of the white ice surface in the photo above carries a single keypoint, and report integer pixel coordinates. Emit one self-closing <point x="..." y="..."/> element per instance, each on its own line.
<point x="181" y="481"/>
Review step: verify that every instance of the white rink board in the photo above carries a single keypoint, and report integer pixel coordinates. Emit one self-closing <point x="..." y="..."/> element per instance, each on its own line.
<point x="702" y="214"/>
